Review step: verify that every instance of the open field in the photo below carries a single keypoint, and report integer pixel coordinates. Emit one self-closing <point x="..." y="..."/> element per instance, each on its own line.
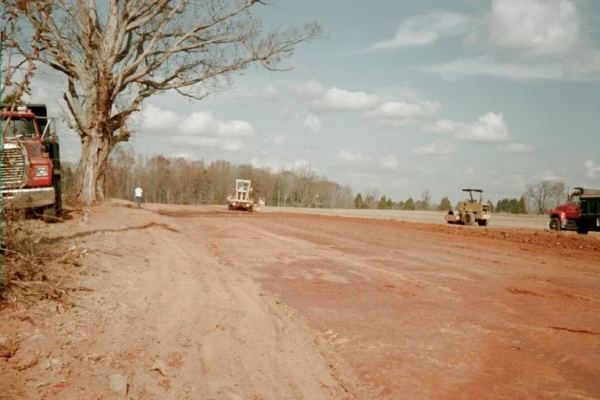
<point x="433" y="217"/>
<point x="178" y="302"/>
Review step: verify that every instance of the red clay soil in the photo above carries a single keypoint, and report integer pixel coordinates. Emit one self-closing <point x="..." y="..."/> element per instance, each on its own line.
<point x="198" y="302"/>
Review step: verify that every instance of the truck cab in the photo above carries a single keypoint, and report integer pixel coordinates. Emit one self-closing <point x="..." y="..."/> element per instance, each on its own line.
<point x="30" y="163"/>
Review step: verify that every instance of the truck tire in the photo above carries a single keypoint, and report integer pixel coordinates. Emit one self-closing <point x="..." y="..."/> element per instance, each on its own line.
<point x="469" y="218"/>
<point x="554" y="224"/>
<point x="583" y="229"/>
<point x="482" y="222"/>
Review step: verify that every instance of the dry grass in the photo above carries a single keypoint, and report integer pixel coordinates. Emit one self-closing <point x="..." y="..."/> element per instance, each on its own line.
<point x="32" y="267"/>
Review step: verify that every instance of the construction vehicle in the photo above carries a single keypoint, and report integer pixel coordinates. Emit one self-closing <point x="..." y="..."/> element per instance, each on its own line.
<point x="30" y="164"/>
<point x="471" y="210"/>
<point x="581" y="213"/>
<point x="242" y="200"/>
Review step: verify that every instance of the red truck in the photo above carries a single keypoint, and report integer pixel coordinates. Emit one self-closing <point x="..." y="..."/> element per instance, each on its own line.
<point x="30" y="164"/>
<point x="581" y="213"/>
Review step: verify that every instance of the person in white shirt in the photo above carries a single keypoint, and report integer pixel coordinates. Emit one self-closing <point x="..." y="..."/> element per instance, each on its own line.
<point x="138" y="191"/>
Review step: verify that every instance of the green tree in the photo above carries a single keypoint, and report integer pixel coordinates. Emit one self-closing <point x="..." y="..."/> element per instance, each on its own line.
<point x="409" y="204"/>
<point x="514" y="206"/>
<point x="358" y="201"/>
<point x="445" y="204"/>
<point x="522" y="205"/>
<point x="383" y="203"/>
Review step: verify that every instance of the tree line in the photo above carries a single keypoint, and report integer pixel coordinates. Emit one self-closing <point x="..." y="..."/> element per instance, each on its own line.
<point x="175" y="180"/>
<point x="538" y="197"/>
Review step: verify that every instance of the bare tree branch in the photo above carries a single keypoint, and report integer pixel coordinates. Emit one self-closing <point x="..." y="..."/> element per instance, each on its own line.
<point x="120" y="52"/>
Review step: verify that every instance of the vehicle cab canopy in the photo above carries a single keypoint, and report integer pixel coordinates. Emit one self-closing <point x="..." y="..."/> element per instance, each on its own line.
<point x="471" y="191"/>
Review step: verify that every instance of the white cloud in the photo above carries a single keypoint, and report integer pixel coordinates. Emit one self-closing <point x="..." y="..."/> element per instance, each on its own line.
<point x="433" y="149"/>
<point x="198" y="141"/>
<point x="549" y="175"/>
<point x="592" y="170"/>
<point x="528" y="40"/>
<point x="535" y="27"/>
<point x="352" y="158"/>
<point x="488" y="128"/>
<point x="488" y="65"/>
<point x="188" y="155"/>
<point x="424" y="30"/>
<point x="311" y="89"/>
<point x="153" y="119"/>
<point x="333" y="98"/>
<point x="340" y="99"/>
<point x="312" y="123"/>
<point x="198" y="129"/>
<point x="250" y="91"/>
<point x="276" y="139"/>
<point x="267" y="93"/>
<point x="389" y="162"/>
<point x="204" y="123"/>
<point x="276" y="164"/>
<point x="398" y="113"/>
<point x="516" y="148"/>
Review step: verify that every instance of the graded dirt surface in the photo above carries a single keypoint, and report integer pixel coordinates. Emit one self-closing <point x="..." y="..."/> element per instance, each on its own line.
<point x="432" y="217"/>
<point x="176" y="302"/>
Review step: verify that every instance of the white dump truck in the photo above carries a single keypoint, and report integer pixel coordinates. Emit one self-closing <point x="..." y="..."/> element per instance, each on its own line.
<point x="242" y="199"/>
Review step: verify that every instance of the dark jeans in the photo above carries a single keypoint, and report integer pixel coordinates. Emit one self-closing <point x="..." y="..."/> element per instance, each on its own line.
<point x="138" y="200"/>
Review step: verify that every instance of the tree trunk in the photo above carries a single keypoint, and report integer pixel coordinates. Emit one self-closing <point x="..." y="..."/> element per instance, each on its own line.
<point x="95" y="150"/>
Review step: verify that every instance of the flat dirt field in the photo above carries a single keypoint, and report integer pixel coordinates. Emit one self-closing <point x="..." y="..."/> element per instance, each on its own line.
<point x="177" y="302"/>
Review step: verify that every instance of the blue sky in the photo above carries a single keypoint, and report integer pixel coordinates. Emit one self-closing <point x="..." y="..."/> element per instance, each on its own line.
<point x="403" y="96"/>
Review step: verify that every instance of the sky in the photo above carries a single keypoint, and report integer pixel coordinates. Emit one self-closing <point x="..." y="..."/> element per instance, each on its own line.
<point x="399" y="97"/>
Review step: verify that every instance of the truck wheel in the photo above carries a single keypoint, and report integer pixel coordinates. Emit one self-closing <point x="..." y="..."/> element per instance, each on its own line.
<point x="482" y="222"/>
<point x="554" y="224"/>
<point x="583" y="229"/>
<point x="469" y="218"/>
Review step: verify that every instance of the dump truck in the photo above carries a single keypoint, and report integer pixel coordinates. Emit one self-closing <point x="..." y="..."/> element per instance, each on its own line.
<point x="581" y="213"/>
<point x="30" y="164"/>
<point x="471" y="210"/>
<point x="242" y="199"/>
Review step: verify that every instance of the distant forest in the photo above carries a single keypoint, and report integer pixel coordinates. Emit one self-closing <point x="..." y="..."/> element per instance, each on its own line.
<point x="176" y="180"/>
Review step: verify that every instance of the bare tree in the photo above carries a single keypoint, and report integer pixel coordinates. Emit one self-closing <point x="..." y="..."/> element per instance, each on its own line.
<point x="18" y="67"/>
<point x="116" y="54"/>
<point x="544" y="194"/>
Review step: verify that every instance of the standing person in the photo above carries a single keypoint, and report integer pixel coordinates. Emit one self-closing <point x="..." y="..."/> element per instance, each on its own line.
<point x="138" y="191"/>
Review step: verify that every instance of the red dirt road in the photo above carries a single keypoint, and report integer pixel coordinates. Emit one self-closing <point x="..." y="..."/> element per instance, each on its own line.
<point x="272" y="306"/>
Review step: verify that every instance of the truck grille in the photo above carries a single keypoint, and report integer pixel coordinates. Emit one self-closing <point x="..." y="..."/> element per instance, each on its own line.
<point x="13" y="168"/>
